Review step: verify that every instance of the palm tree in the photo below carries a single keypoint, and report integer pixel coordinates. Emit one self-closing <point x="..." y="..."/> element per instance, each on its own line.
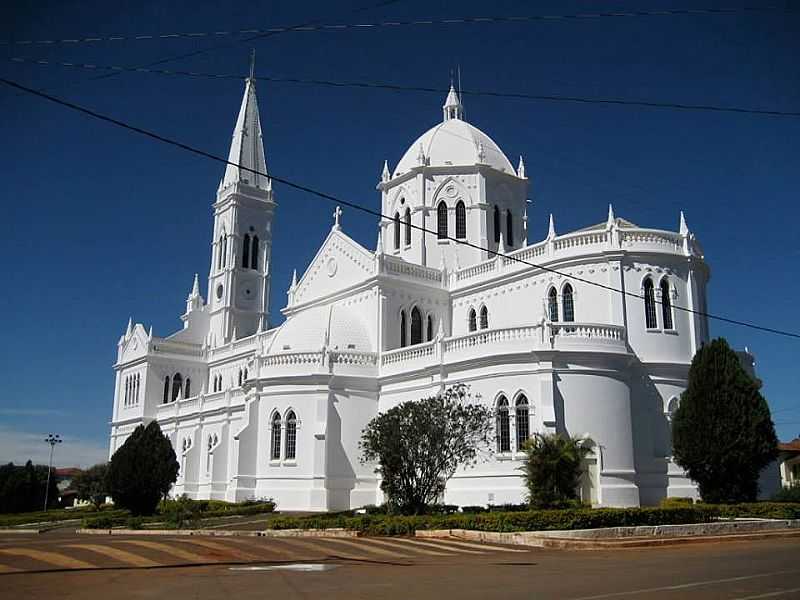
<point x="552" y="469"/>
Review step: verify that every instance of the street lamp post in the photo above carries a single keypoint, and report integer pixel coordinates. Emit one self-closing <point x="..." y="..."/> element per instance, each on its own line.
<point x="52" y="440"/>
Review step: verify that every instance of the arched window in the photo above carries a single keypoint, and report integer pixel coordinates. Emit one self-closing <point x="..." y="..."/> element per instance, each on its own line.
<point x="246" y="252"/>
<point x="568" y="303"/>
<point x="125" y="400"/>
<point x="187" y="391"/>
<point x="496" y="224"/>
<point x="430" y="328"/>
<point x="472" y="319"/>
<point x="291" y="436"/>
<point x="503" y="426"/>
<point x="137" y="388"/>
<point x="416" y="326"/>
<point x="240" y="378"/>
<point x="397" y="231"/>
<point x="509" y="229"/>
<point x="666" y="304"/>
<point x="224" y="250"/>
<point x="523" y="421"/>
<point x="245" y="373"/>
<point x="219" y="253"/>
<point x="403" y="341"/>
<point x="484" y="318"/>
<point x="208" y="454"/>
<point x="166" y="389"/>
<point x="177" y="383"/>
<point x="275" y="446"/>
<point x="461" y="220"/>
<point x="441" y="220"/>
<point x="254" y="254"/>
<point x="649" y="305"/>
<point x="408" y="226"/>
<point x="552" y="305"/>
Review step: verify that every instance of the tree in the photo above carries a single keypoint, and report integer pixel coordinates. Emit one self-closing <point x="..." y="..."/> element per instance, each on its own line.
<point x="91" y="484"/>
<point x="722" y="431"/>
<point x="143" y="470"/>
<point x="22" y="488"/>
<point x="419" y="445"/>
<point x="552" y="469"/>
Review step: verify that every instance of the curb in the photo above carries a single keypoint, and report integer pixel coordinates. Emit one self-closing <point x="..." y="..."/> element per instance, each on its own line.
<point x="23" y="531"/>
<point x="270" y="533"/>
<point x="562" y="539"/>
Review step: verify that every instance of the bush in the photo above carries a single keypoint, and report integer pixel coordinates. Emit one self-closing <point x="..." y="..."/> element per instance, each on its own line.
<point x="134" y="523"/>
<point x="535" y="520"/>
<point x="760" y="510"/>
<point x="552" y="469"/>
<point x="508" y="507"/>
<point x="787" y="494"/>
<point x="675" y="502"/>
<point x="104" y="522"/>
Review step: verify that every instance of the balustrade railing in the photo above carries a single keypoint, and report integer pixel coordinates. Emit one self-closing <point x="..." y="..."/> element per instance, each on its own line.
<point x="406" y="269"/>
<point x="588" y="331"/>
<point x="409" y="353"/>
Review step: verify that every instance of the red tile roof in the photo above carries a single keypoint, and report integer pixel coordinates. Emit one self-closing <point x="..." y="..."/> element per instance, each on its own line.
<point x="793" y="446"/>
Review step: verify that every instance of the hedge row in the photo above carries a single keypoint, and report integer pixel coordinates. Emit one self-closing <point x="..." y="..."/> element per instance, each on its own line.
<point x="535" y="520"/>
<point x="213" y="509"/>
<point x="51" y="516"/>
<point x="762" y="510"/>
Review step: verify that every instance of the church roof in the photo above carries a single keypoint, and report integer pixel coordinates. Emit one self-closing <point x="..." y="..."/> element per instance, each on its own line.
<point x="247" y="146"/>
<point x="620" y="222"/>
<point x="454" y="142"/>
<point x="336" y="327"/>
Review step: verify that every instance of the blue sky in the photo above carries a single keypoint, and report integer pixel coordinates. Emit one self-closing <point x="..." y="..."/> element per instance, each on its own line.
<point x="100" y="224"/>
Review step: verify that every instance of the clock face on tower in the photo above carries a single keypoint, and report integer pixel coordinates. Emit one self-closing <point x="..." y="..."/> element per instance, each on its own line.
<point x="247" y="293"/>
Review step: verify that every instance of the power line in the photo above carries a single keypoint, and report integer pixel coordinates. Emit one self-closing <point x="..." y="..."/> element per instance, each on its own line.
<point x="469" y="20"/>
<point x="407" y="88"/>
<point x="364" y="209"/>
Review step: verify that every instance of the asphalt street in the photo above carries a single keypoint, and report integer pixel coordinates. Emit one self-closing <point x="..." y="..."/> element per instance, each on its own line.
<point x="67" y="565"/>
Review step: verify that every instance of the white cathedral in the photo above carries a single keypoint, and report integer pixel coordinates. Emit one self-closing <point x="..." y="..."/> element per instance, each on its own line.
<point x="539" y="331"/>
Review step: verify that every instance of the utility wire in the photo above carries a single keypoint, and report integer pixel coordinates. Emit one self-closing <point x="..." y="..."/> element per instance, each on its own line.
<point x="407" y="88"/>
<point x="364" y="209"/>
<point x="310" y="27"/>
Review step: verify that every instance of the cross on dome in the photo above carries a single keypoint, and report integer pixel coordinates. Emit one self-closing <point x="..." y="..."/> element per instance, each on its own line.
<point x="337" y="217"/>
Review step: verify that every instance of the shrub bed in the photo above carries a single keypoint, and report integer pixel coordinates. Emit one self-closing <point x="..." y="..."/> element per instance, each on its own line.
<point x="51" y="516"/>
<point x="532" y="520"/>
<point x="761" y="510"/>
<point x="177" y="514"/>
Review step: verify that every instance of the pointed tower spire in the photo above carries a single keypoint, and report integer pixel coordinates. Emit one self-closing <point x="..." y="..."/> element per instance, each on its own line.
<point x="385" y="175"/>
<point x="294" y="280"/>
<point x="246" y="160"/>
<point x="611" y="219"/>
<point x="521" y="168"/>
<point x="379" y="243"/>
<point x="452" y="108"/>
<point x="684" y="228"/>
<point x="551" y="228"/>
<point x="195" y="286"/>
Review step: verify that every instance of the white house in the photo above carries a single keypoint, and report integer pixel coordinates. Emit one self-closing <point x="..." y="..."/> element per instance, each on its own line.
<point x="538" y="330"/>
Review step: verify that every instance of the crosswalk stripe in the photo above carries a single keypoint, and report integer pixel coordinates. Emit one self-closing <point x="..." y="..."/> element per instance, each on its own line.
<point x="7" y="569"/>
<point x="327" y="551"/>
<point x="118" y="554"/>
<point x="451" y="541"/>
<point x="394" y="544"/>
<point x="167" y="549"/>
<point x="441" y="547"/>
<point x="233" y="552"/>
<point x="273" y="546"/>
<point x="360" y="545"/>
<point x="52" y="558"/>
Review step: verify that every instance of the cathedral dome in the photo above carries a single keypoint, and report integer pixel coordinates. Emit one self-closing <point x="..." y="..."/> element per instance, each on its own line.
<point x="454" y="142"/>
<point x="336" y="327"/>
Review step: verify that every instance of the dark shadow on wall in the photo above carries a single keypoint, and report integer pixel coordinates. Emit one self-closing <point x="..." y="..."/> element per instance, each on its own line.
<point x="338" y="470"/>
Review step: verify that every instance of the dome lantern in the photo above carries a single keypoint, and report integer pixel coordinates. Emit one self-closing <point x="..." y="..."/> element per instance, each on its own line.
<point x="452" y="108"/>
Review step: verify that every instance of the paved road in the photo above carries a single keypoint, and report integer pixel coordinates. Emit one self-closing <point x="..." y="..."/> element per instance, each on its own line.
<point x="70" y="566"/>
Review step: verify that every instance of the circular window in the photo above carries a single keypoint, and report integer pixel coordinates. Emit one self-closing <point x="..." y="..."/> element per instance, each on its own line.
<point x="219" y="292"/>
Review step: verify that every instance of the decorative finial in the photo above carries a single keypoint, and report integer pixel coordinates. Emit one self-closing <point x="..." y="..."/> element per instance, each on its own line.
<point x="379" y="244"/>
<point x="521" y="168"/>
<point x="611" y="219"/>
<point x="421" y="156"/>
<point x="684" y="228"/>
<point x="551" y="228"/>
<point x="337" y="217"/>
<point x="196" y="286"/>
<point x="501" y="247"/>
<point x="481" y="153"/>
<point x="452" y="108"/>
<point x="294" y="280"/>
<point x="252" y="64"/>
<point x="385" y="175"/>
<point x="150" y="333"/>
<point x="130" y="326"/>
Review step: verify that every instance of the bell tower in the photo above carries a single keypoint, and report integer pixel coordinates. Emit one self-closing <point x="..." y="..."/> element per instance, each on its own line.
<point x="241" y="247"/>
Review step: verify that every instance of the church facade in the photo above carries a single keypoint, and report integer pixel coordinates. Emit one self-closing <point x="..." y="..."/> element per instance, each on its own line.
<point x="539" y="331"/>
